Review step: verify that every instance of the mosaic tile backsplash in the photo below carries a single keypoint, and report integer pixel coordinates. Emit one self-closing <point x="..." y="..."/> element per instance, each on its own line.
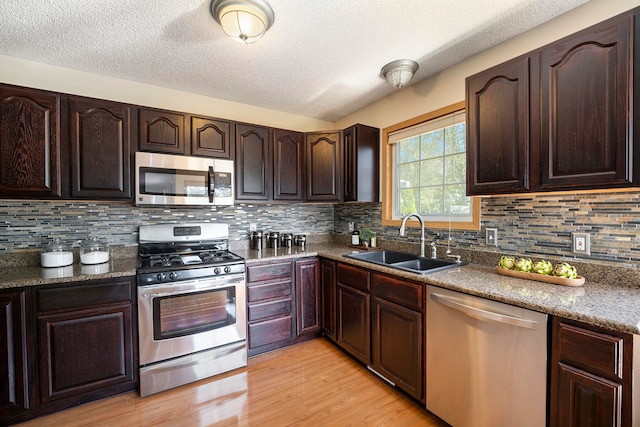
<point x="533" y="225"/>
<point x="28" y="224"/>
<point x="536" y="226"/>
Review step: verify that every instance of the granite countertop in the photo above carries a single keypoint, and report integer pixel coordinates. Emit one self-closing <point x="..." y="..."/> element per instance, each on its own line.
<point x="17" y="277"/>
<point x="609" y="306"/>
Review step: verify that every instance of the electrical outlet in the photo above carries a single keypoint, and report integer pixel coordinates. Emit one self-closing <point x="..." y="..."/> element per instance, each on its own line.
<point x="491" y="236"/>
<point x="351" y="226"/>
<point x="581" y="243"/>
<point x="253" y="226"/>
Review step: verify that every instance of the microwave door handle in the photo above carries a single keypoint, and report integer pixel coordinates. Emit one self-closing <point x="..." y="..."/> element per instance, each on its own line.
<point x="211" y="184"/>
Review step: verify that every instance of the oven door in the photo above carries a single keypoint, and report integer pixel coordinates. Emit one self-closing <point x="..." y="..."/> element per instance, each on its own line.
<point x="163" y="179"/>
<point x="181" y="318"/>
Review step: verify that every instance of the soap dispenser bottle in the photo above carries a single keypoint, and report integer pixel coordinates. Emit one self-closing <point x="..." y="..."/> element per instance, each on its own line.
<point x="355" y="237"/>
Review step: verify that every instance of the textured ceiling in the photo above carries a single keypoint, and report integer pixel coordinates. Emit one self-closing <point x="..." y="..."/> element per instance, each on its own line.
<point x="321" y="59"/>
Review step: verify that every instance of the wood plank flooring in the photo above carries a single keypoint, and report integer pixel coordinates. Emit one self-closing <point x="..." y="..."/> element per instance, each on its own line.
<point x="308" y="384"/>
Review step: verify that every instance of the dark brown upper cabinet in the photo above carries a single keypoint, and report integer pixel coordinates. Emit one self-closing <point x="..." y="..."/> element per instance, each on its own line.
<point x="100" y="135"/>
<point x="288" y="165"/>
<point x="211" y="137"/>
<point x="324" y="166"/>
<point x="560" y="117"/>
<point x="162" y="131"/>
<point x="30" y="143"/>
<point x="253" y="161"/>
<point x="497" y="129"/>
<point x="586" y="109"/>
<point x="180" y="133"/>
<point x="361" y="163"/>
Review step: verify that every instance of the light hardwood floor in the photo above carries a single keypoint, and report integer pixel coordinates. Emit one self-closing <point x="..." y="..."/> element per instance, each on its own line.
<point x="308" y="384"/>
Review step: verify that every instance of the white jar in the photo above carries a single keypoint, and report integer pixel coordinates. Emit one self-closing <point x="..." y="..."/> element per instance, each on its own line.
<point x="56" y="254"/>
<point x="94" y="251"/>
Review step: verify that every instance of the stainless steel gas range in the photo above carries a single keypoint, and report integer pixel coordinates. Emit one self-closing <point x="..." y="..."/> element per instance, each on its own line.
<point x="191" y="305"/>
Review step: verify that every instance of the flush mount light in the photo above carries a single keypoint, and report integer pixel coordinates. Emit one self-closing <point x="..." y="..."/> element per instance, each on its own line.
<point x="243" y="20"/>
<point x="398" y="73"/>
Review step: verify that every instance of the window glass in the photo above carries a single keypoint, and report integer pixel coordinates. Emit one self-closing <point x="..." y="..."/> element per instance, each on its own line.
<point x="430" y="170"/>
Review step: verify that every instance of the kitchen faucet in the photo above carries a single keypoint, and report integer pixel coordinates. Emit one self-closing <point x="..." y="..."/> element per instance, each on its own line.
<point x="419" y="218"/>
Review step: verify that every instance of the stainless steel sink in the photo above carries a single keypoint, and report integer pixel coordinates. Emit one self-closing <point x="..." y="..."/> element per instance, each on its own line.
<point x="425" y="265"/>
<point x="383" y="257"/>
<point x="404" y="261"/>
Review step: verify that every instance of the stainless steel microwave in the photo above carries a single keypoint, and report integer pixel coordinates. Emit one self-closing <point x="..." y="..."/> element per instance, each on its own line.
<point x="164" y="179"/>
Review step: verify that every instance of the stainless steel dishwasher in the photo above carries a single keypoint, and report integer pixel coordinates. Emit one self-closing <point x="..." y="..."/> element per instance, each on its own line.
<point x="486" y="361"/>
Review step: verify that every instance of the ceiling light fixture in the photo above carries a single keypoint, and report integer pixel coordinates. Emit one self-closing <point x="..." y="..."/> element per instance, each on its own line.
<point x="244" y="20"/>
<point x="398" y="73"/>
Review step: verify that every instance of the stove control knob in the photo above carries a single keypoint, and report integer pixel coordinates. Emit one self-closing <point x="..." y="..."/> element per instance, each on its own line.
<point x="216" y="270"/>
<point x="161" y="276"/>
<point x="173" y="276"/>
<point x="227" y="269"/>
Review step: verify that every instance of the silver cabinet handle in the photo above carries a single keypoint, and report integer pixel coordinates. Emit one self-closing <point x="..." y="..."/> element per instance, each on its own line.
<point x="484" y="314"/>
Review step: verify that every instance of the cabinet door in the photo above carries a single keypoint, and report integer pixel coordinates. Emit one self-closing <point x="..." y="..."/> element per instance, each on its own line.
<point x="353" y="324"/>
<point x="162" y="131"/>
<point x="30" y="148"/>
<point x="328" y="282"/>
<point x="83" y="351"/>
<point x="288" y="157"/>
<point x="14" y="387"/>
<point x="585" y="134"/>
<point x="86" y="341"/>
<point x="211" y="137"/>
<point x="498" y="129"/>
<point x="324" y="167"/>
<point x="397" y="345"/>
<point x="100" y="148"/>
<point x="361" y="163"/>
<point x="591" y="376"/>
<point x="307" y="296"/>
<point x="587" y="400"/>
<point x="253" y="174"/>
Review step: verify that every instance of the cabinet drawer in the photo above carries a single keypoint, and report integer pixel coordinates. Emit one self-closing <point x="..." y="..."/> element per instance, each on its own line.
<point x="85" y="295"/>
<point x="261" y="272"/>
<point x="592" y="351"/>
<point x="267" y="309"/>
<point x="270" y="331"/>
<point x="353" y="276"/>
<point x="399" y="291"/>
<point x="262" y="291"/>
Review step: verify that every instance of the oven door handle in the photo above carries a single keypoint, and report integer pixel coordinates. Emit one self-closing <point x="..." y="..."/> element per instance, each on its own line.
<point x="211" y="184"/>
<point x="182" y="292"/>
<point x="150" y="291"/>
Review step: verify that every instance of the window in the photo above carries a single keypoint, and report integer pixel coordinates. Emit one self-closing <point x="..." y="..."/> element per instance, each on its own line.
<point x="425" y="163"/>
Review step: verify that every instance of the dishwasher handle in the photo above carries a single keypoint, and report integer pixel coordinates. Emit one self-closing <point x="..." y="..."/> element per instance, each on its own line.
<point x="484" y="314"/>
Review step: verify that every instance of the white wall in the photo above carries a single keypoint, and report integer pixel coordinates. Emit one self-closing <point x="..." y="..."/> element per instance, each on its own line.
<point x="448" y="87"/>
<point x="41" y="76"/>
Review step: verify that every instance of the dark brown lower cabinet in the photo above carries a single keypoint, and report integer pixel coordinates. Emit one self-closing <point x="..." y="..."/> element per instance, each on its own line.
<point x="307" y="296"/>
<point x="353" y="322"/>
<point x="377" y="319"/>
<point x="397" y="333"/>
<point x="14" y="378"/>
<point x="282" y="303"/>
<point x="66" y="344"/>
<point x="591" y="376"/>
<point x="328" y="285"/>
<point x="353" y="311"/>
<point x="86" y="340"/>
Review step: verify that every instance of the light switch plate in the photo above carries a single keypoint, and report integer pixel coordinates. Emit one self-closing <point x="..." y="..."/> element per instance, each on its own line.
<point x="581" y="243"/>
<point x="491" y="237"/>
<point x="253" y="226"/>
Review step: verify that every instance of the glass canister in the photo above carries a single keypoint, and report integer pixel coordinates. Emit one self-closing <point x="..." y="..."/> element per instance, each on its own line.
<point x="56" y="254"/>
<point x="94" y="251"/>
